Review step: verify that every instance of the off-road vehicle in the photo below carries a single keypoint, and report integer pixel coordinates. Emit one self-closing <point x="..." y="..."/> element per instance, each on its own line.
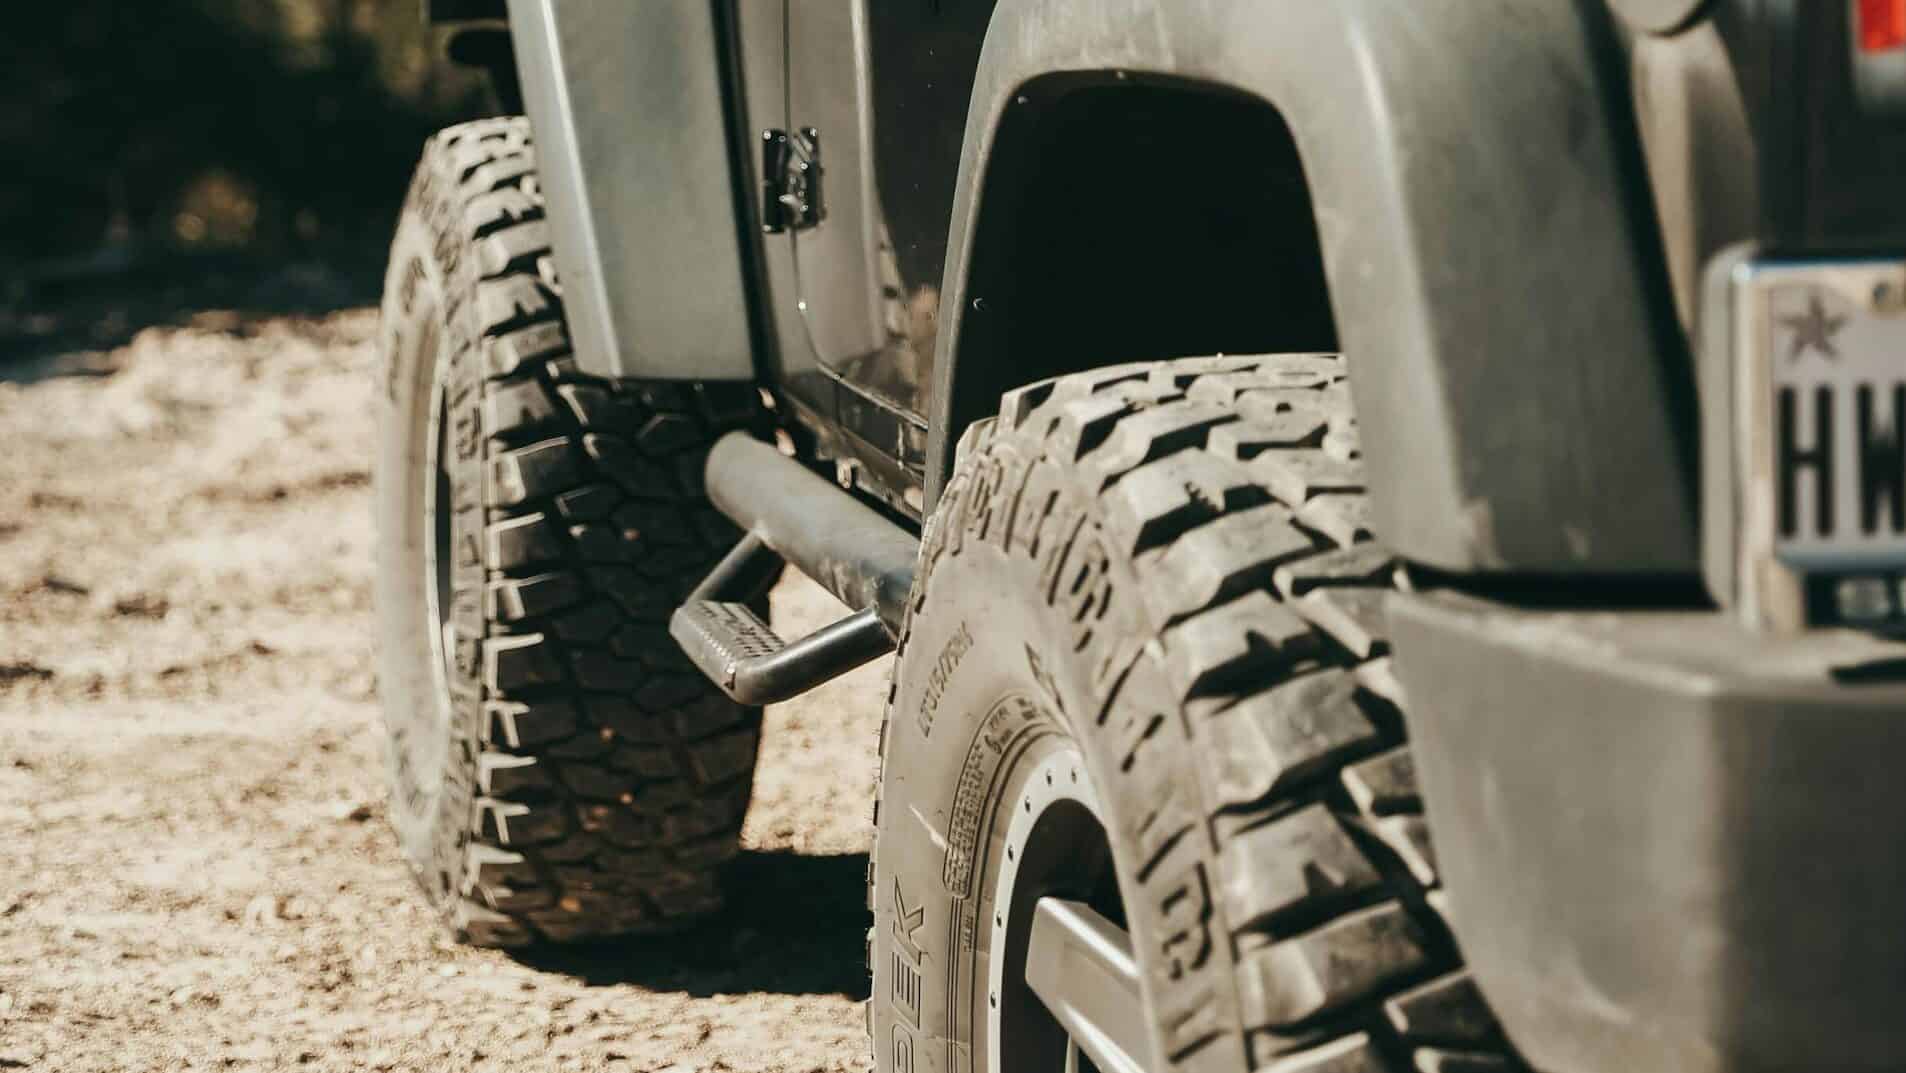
<point x="1236" y="414"/>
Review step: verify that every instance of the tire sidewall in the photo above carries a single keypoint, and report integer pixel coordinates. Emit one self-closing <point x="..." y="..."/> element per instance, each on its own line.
<point x="432" y="705"/>
<point x="993" y="660"/>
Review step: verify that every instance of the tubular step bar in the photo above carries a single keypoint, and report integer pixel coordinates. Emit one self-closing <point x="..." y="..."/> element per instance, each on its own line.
<point x="793" y="516"/>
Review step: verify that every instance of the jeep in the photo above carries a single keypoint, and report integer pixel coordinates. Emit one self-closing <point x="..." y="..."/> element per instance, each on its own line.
<point x="1391" y="513"/>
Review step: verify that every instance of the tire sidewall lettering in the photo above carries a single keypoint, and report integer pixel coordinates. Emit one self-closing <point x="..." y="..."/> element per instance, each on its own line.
<point x="1058" y="633"/>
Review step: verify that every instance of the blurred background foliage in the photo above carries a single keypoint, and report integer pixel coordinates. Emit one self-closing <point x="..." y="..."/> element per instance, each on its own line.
<point x="133" y="129"/>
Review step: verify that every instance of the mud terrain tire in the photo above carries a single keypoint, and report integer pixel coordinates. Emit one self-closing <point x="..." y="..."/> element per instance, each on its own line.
<point x="1165" y="568"/>
<point x="558" y="769"/>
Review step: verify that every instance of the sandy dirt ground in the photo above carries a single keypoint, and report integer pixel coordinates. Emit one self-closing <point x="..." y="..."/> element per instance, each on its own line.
<point x="195" y="871"/>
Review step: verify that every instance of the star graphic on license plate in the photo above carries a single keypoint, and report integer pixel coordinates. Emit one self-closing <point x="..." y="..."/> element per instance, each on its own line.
<point x="1813" y="329"/>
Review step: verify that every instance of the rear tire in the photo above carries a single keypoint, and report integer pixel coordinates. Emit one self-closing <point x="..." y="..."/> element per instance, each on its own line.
<point x="559" y="770"/>
<point x="1163" y="570"/>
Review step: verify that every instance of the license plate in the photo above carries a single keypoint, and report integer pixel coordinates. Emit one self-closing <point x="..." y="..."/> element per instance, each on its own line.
<point x="1823" y="382"/>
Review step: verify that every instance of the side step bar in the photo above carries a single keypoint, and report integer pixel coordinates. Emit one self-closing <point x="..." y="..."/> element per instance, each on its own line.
<point x="797" y="517"/>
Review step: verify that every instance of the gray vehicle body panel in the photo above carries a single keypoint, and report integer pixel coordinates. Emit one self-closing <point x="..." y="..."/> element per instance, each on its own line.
<point x="1490" y="263"/>
<point x="1656" y="16"/>
<point x="633" y="149"/>
<point x="1514" y="366"/>
<point x="1629" y="804"/>
<point x="838" y="280"/>
<point x="1670" y="843"/>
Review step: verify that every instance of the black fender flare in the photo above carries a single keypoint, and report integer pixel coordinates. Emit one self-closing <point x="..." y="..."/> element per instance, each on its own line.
<point x="1524" y="392"/>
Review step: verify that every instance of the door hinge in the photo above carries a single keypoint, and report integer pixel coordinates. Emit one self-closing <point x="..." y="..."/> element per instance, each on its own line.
<point x="791" y="180"/>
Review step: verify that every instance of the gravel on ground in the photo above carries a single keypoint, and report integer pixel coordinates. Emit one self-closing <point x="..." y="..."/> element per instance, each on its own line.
<point x="195" y="871"/>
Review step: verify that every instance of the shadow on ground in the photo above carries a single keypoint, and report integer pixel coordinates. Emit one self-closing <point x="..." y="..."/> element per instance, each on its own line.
<point x="794" y="925"/>
<point x="64" y="326"/>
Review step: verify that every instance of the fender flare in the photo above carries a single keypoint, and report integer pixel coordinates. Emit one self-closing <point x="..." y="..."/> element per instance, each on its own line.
<point x="1524" y="392"/>
<point x="647" y="214"/>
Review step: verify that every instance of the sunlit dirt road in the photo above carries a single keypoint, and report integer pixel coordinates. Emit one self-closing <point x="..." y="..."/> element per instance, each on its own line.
<point x="195" y="872"/>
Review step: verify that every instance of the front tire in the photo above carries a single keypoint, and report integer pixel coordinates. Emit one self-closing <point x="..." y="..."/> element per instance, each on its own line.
<point x="559" y="770"/>
<point x="1143" y="684"/>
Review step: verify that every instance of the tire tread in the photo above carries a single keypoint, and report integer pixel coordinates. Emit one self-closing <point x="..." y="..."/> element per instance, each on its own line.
<point x="1235" y="484"/>
<point x="569" y="840"/>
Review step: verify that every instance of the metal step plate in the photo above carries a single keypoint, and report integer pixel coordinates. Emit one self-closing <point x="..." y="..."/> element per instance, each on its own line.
<point x="722" y="638"/>
<point x="753" y="665"/>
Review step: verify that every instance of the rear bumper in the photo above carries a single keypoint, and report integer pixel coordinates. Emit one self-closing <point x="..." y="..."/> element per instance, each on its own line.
<point x="1670" y="844"/>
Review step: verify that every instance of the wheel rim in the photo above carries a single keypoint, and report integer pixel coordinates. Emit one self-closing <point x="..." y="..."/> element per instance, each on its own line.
<point x="438" y="558"/>
<point x="1063" y="992"/>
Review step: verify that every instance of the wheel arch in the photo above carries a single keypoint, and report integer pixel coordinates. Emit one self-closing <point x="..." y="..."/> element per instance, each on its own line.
<point x="1125" y="214"/>
<point x="1484" y="227"/>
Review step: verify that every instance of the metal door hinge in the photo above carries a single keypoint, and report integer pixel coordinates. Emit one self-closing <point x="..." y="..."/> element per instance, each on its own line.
<point x="791" y="180"/>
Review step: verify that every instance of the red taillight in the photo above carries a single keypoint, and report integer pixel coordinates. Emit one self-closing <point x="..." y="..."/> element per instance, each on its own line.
<point x="1882" y="25"/>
